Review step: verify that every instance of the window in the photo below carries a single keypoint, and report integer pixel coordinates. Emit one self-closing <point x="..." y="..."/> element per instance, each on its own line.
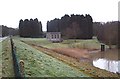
<point x="52" y="36"/>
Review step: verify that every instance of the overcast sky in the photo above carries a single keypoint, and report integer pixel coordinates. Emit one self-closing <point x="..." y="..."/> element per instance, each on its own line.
<point x="11" y="11"/>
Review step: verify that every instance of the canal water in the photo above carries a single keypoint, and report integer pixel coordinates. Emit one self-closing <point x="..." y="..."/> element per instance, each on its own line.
<point x="108" y="60"/>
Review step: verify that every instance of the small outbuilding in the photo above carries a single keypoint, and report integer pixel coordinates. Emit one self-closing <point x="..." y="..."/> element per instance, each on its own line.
<point x="54" y="36"/>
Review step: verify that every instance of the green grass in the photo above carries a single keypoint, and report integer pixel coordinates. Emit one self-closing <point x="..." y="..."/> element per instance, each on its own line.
<point x="6" y="59"/>
<point x="38" y="64"/>
<point x="41" y="61"/>
<point x="43" y="42"/>
<point x="0" y="59"/>
<point x="83" y="44"/>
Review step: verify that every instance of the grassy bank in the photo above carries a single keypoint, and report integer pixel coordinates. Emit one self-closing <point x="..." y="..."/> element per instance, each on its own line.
<point x="0" y="59"/>
<point x="6" y="60"/>
<point x="38" y="64"/>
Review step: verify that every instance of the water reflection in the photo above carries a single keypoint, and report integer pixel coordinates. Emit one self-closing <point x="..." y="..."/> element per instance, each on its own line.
<point x="110" y="65"/>
<point x="108" y="60"/>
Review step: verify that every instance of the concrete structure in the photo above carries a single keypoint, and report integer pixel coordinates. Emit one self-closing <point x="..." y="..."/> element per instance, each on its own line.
<point x="54" y="36"/>
<point x="0" y="30"/>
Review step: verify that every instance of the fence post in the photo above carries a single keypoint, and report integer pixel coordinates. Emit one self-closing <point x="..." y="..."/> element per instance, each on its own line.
<point x="102" y="47"/>
<point x="21" y="63"/>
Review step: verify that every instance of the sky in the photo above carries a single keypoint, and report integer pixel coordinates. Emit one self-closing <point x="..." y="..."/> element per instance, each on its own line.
<point x="14" y="10"/>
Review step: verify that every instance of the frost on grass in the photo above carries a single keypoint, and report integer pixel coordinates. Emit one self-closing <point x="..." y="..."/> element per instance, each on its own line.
<point x="38" y="64"/>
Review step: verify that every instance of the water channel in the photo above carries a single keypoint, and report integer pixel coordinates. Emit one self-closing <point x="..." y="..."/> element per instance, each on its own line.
<point x="108" y="60"/>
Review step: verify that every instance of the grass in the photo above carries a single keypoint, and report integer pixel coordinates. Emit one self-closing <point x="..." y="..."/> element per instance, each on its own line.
<point x="38" y="64"/>
<point x="82" y="44"/>
<point x="43" y="42"/>
<point x="6" y="60"/>
<point x="0" y="59"/>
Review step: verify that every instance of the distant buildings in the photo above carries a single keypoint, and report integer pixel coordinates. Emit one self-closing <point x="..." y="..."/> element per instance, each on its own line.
<point x="54" y="36"/>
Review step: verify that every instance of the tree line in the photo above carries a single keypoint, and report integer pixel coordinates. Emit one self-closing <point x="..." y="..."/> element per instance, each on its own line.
<point x="107" y="33"/>
<point x="30" y="28"/>
<point x="74" y="26"/>
<point x="6" y="31"/>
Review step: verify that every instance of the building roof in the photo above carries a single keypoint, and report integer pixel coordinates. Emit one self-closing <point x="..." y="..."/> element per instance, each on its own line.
<point x="53" y="32"/>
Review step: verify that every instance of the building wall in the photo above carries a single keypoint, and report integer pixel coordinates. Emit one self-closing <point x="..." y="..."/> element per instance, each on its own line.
<point x="53" y="36"/>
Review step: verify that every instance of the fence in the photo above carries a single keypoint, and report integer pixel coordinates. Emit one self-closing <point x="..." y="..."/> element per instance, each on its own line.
<point x="15" y="61"/>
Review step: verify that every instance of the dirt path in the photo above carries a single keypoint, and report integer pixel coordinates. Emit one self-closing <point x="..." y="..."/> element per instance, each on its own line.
<point x="74" y="52"/>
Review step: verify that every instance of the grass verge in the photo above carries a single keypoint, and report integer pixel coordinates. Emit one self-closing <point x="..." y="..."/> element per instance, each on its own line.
<point x="7" y="62"/>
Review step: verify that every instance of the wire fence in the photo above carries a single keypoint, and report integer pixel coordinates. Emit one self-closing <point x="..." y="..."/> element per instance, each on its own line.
<point x="15" y="61"/>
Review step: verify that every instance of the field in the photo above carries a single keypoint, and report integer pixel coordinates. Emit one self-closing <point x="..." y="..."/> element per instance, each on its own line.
<point x="91" y="44"/>
<point x="73" y="52"/>
<point x="79" y="49"/>
<point x="38" y="64"/>
<point x="45" y="59"/>
<point x="65" y="52"/>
